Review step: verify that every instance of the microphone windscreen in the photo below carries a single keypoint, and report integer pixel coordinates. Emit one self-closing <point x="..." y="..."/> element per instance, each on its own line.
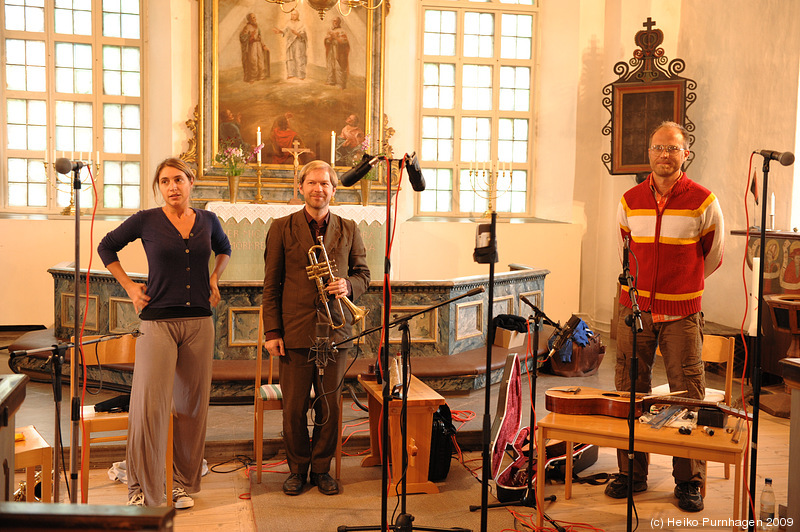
<point x="786" y="158"/>
<point x="352" y="176"/>
<point x="63" y="166"/>
<point x="414" y="172"/>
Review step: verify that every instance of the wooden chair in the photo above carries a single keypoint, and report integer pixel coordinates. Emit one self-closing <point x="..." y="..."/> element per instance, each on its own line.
<point x="718" y="349"/>
<point x="268" y="396"/>
<point x="29" y="453"/>
<point x="116" y="351"/>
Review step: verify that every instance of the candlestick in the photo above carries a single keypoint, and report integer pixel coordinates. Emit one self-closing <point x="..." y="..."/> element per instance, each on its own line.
<point x="333" y="148"/>
<point x="258" y="143"/>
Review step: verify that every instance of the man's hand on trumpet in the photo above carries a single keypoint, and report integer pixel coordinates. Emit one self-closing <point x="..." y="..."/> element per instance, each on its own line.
<point x="338" y="288"/>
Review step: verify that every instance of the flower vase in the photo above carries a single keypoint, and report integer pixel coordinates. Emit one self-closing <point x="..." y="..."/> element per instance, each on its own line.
<point x="233" y="187"/>
<point x="366" y="185"/>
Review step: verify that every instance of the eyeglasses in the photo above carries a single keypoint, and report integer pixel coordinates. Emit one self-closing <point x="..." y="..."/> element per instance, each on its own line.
<point x="670" y="149"/>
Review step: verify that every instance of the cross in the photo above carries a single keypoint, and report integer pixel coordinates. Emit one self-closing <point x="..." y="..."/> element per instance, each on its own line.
<point x="649" y="23"/>
<point x="296" y="151"/>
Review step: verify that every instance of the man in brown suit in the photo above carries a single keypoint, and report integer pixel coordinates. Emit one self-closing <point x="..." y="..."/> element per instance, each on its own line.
<point x="292" y="314"/>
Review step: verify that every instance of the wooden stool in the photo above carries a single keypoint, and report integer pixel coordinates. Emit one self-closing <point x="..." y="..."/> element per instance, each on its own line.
<point x="31" y="452"/>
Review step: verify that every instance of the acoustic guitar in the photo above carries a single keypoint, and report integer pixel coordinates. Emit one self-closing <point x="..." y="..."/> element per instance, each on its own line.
<point x="580" y="400"/>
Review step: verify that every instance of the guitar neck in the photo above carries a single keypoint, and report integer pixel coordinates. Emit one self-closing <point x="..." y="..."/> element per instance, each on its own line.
<point x="685" y="401"/>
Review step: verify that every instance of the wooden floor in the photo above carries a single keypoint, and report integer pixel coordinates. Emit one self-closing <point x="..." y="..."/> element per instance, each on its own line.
<point x="223" y="505"/>
<point x="223" y="502"/>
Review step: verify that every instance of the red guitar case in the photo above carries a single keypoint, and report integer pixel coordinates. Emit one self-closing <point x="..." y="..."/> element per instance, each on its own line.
<point x="510" y="439"/>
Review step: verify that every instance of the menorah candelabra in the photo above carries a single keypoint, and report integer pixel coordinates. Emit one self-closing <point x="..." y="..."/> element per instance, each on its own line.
<point x="483" y="181"/>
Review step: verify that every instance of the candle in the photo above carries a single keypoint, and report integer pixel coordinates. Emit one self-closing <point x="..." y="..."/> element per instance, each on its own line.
<point x="97" y="157"/>
<point x="470" y="167"/>
<point x="258" y="143"/>
<point x="772" y="205"/>
<point x="333" y="148"/>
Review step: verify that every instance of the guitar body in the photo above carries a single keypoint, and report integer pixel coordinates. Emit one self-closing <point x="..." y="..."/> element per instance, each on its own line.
<point x="581" y="400"/>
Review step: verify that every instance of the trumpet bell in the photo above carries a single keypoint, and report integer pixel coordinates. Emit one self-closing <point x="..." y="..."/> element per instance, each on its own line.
<point x="359" y="313"/>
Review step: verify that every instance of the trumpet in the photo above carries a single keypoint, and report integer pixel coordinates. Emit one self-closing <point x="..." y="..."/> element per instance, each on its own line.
<point x="318" y="271"/>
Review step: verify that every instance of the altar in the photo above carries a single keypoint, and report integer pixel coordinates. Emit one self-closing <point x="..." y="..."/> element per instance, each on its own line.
<point x="246" y="225"/>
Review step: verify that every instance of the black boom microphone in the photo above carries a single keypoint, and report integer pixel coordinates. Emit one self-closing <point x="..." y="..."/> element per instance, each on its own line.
<point x="414" y="172"/>
<point x="65" y="166"/>
<point x="785" y="158"/>
<point x="352" y="176"/>
<point x="564" y="334"/>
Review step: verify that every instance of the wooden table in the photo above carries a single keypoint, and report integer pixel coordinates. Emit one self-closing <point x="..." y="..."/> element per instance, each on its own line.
<point x="605" y="431"/>
<point x="30" y="453"/>
<point x="422" y="402"/>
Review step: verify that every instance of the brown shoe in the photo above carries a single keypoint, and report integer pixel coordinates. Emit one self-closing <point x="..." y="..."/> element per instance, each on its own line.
<point x="326" y="483"/>
<point x="294" y="484"/>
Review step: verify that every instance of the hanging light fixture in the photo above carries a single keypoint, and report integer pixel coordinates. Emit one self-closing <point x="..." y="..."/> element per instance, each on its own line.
<point x="321" y="6"/>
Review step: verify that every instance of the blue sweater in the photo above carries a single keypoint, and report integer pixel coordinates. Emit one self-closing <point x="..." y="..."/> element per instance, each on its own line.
<point x="178" y="270"/>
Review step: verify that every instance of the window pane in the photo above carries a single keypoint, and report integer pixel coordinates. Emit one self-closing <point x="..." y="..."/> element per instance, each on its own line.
<point x="24" y="16"/>
<point x="25" y="65"/>
<point x="516" y="36"/>
<point x="440" y="32"/>
<point x="73" y="18"/>
<point x="477" y="87"/>
<point x="438" y="85"/>
<point x="73" y="68"/>
<point x="438" y="194"/>
<point x="27" y="183"/>
<point x="437" y="139"/>
<point x="478" y="35"/>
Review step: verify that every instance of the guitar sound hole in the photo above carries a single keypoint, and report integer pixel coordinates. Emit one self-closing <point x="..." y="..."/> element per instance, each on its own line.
<point x="613" y="394"/>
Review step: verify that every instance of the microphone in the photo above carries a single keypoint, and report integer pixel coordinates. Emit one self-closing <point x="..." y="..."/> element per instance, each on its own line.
<point x="321" y="350"/>
<point x="352" y="176"/>
<point x="65" y="166"/>
<point x="564" y="334"/>
<point x="785" y="158"/>
<point x="626" y="245"/>
<point x="528" y="302"/>
<point x="415" y="176"/>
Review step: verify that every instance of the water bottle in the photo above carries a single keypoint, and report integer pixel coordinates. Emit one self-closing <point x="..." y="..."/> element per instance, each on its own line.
<point x="767" y="513"/>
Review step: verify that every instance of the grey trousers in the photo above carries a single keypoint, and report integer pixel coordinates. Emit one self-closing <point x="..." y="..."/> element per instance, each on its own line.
<point x="681" y="344"/>
<point x="298" y="375"/>
<point x="172" y="369"/>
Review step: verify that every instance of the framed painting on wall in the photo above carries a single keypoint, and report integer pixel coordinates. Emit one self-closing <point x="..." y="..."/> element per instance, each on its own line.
<point x="306" y="79"/>
<point x="638" y="109"/>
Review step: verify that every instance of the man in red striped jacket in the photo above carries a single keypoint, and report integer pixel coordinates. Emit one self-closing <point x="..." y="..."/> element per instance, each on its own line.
<point x="675" y="232"/>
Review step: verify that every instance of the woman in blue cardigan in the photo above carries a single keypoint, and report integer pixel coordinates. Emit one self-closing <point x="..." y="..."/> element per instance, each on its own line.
<point x="174" y="352"/>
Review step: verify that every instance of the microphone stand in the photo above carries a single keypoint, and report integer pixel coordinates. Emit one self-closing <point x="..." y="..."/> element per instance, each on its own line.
<point x="404" y="520"/>
<point x="634" y="321"/>
<point x="384" y="362"/>
<point x="757" y="370"/>
<point x="528" y="498"/>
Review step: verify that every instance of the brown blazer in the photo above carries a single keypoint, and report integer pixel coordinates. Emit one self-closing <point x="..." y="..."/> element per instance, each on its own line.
<point x="290" y="299"/>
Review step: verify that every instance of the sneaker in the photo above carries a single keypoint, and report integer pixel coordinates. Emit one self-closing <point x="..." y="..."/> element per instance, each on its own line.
<point x="618" y="488"/>
<point x="689" y="498"/>
<point x="181" y="499"/>
<point x="137" y="499"/>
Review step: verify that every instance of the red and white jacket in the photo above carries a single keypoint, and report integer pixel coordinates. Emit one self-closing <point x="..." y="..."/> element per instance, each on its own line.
<point x="671" y="253"/>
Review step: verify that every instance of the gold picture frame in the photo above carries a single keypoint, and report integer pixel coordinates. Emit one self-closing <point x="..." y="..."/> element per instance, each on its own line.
<point x="314" y="105"/>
